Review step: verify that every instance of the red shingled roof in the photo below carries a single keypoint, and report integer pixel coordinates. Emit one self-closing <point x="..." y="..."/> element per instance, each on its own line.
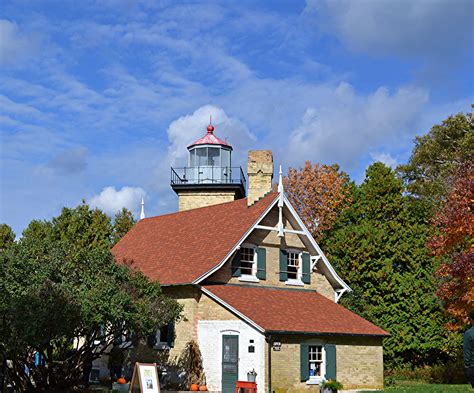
<point x="180" y="247"/>
<point x="282" y="310"/>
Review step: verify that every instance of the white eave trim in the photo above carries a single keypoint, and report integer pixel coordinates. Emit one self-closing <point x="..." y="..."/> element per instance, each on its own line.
<point x="315" y="245"/>
<point x="232" y="309"/>
<point x="237" y="246"/>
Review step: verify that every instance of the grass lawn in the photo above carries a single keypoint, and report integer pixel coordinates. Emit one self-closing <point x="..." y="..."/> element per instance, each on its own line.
<point x="428" y="388"/>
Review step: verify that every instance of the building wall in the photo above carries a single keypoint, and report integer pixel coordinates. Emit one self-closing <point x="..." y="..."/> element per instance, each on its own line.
<point x="359" y="363"/>
<point x="272" y="243"/>
<point x="210" y="342"/>
<point x="193" y="199"/>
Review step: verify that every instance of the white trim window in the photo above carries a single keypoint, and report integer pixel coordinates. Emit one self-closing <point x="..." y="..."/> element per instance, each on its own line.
<point x="316" y="361"/>
<point x="294" y="267"/>
<point x="248" y="263"/>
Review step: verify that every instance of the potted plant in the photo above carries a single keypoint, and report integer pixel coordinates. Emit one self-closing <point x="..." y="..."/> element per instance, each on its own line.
<point x="331" y="386"/>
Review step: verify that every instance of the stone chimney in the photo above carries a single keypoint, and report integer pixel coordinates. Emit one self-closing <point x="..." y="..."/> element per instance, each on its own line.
<point x="260" y="174"/>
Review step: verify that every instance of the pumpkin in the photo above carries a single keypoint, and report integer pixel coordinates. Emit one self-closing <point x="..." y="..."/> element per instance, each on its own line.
<point x="203" y="388"/>
<point x="121" y="381"/>
<point x="194" y="387"/>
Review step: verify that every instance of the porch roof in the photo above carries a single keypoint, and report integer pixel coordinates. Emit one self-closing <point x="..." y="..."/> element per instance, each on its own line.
<point x="291" y="311"/>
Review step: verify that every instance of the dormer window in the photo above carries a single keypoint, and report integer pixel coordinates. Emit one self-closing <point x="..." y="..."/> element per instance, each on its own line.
<point x="249" y="263"/>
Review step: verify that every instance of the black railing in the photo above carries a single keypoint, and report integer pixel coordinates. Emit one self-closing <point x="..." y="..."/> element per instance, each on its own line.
<point x="207" y="175"/>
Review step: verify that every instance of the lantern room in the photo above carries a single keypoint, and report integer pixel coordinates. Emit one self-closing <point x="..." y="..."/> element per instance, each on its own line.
<point x="209" y="170"/>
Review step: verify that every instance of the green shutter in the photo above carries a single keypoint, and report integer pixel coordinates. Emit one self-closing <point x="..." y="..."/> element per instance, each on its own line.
<point x="236" y="264"/>
<point x="170" y="334"/>
<point x="283" y="265"/>
<point x="261" y="263"/>
<point x="304" y="362"/>
<point x="330" y="361"/>
<point x="306" y="268"/>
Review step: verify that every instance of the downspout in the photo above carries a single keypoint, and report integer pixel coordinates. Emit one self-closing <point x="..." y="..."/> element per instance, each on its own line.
<point x="269" y="374"/>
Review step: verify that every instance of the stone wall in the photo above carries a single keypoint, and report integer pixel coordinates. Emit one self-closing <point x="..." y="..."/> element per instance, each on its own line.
<point x="193" y="199"/>
<point x="359" y="363"/>
<point x="260" y="174"/>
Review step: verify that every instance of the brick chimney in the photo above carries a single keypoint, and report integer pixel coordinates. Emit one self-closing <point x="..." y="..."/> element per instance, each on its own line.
<point x="260" y="174"/>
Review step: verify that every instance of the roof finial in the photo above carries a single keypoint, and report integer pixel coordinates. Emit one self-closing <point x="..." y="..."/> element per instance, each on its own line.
<point x="210" y="127"/>
<point x="280" y="182"/>
<point x="142" y="213"/>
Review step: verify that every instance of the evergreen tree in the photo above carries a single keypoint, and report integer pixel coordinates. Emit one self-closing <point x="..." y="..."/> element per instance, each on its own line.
<point x="123" y="222"/>
<point x="378" y="246"/>
<point x="7" y="236"/>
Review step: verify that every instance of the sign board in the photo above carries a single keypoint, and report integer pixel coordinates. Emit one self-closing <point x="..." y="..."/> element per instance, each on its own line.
<point x="145" y="378"/>
<point x="276" y="345"/>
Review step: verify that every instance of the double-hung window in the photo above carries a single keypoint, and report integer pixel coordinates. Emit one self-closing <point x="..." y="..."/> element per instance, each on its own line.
<point x="294" y="265"/>
<point x="249" y="263"/>
<point x="318" y="362"/>
<point x="315" y="361"/>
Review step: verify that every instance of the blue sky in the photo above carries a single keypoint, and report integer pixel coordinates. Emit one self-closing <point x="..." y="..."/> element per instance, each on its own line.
<point x="99" y="98"/>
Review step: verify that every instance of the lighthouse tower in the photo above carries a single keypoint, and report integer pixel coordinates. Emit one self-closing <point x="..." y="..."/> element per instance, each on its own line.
<point x="209" y="177"/>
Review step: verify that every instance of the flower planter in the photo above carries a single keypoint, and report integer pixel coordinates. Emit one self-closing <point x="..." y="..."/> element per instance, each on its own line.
<point x="120" y="387"/>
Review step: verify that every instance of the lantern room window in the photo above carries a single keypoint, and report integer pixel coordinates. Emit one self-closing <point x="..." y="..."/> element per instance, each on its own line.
<point x="209" y="156"/>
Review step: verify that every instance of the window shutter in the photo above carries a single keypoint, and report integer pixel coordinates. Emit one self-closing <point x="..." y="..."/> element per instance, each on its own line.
<point x="170" y="334"/>
<point x="306" y="268"/>
<point x="283" y="265"/>
<point x="304" y="362"/>
<point x="261" y="263"/>
<point x="236" y="264"/>
<point x="330" y="361"/>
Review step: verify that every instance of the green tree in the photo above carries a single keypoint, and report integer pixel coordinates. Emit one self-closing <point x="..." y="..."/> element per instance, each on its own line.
<point x="123" y="222"/>
<point x="69" y="304"/>
<point x="378" y="246"/>
<point x="429" y="172"/>
<point x="7" y="236"/>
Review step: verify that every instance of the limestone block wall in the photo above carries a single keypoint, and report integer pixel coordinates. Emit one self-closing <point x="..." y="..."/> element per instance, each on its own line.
<point x="260" y="174"/>
<point x="359" y="363"/>
<point x="193" y="199"/>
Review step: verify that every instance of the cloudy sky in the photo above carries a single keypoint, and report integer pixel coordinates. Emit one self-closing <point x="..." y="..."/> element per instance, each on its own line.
<point x="99" y="98"/>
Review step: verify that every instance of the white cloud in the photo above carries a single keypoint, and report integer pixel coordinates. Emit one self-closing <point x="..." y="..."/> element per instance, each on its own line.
<point x="349" y="125"/>
<point x="15" y="45"/>
<point x="385" y="158"/>
<point x="186" y="129"/>
<point x="433" y="28"/>
<point x="111" y="200"/>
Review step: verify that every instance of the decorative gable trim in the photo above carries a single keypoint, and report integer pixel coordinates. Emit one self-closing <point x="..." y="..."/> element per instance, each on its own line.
<point x="282" y="200"/>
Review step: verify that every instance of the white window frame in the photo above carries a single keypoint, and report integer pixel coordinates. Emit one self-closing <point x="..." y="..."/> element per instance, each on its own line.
<point x="299" y="274"/>
<point x="316" y="380"/>
<point x="250" y="277"/>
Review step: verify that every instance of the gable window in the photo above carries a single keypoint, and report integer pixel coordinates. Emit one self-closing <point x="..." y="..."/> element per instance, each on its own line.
<point x="249" y="263"/>
<point x="294" y="266"/>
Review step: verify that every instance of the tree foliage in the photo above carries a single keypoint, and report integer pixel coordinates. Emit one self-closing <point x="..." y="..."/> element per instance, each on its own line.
<point x="378" y="246"/>
<point x="428" y="173"/>
<point x="123" y="222"/>
<point x="318" y="193"/>
<point x="454" y="242"/>
<point x="7" y="236"/>
<point x="67" y="300"/>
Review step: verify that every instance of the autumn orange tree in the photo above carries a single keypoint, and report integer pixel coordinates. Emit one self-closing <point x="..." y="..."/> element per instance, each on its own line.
<point x="455" y="223"/>
<point x="319" y="193"/>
